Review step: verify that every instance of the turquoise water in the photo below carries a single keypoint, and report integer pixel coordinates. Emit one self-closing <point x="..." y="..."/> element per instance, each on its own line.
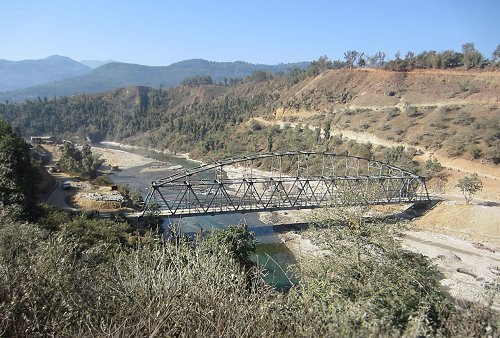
<point x="275" y="258"/>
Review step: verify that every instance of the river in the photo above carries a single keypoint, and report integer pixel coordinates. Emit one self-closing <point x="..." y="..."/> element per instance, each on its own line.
<point x="271" y="252"/>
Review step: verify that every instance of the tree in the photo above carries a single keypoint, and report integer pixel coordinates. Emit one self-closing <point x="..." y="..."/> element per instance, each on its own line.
<point x="496" y="54"/>
<point x="372" y="60"/>
<point x="18" y="176"/>
<point x="361" y="61"/>
<point x="450" y="59"/>
<point x="469" y="186"/>
<point x="350" y="57"/>
<point x="260" y="76"/>
<point x="326" y="129"/>
<point x="410" y="59"/>
<point x="80" y="162"/>
<point x="381" y="58"/>
<point x="471" y="57"/>
<point x="432" y="167"/>
<point x="319" y="66"/>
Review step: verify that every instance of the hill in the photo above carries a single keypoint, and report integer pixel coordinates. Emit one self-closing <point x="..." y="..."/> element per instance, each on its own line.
<point x="447" y="113"/>
<point x="28" y="73"/>
<point x="117" y="75"/>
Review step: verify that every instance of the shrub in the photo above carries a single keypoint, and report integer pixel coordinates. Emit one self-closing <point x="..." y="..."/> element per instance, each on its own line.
<point x="464" y="119"/>
<point x="432" y="167"/>
<point x="412" y="111"/>
<point x="455" y="147"/>
<point x="392" y="112"/>
<point x="475" y="152"/>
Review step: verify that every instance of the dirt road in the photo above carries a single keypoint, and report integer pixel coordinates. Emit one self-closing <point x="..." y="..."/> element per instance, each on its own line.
<point x="470" y="272"/>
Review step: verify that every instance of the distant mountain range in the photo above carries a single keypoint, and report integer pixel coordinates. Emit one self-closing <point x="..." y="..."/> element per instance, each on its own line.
<point x="117" y="75"/>
<point x="27" y="73"/>
<point x="95" y="63"/>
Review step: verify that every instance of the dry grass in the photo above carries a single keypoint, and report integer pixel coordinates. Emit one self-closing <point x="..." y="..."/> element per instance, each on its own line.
<point x="48" y="287"/>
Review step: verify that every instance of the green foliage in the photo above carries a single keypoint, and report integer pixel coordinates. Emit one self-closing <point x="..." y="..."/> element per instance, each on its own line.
<point x="81" y="162"/>
<point x="412" y="111"/>
<point x="198" y="80"/>
<point x="165" y="290"/>
<point x="496" y="54"/>
<point x="432" y="167"/>
<point x="475" y="151"/>
<point x="401" y="157"/>
<point x="369" y="283"/>
<point x="464" y="119"/>
<point x="471" y="57"/>
<point x="351" y="57"/>
<point x="51" y="219"/>
<point x="133" y="197"/>
<point x="260" y="76"/>
<point x="235" y="240"/>
<point x="470" y="185"/>
<point x="18" y="176"/>
<point x="317" y="67"/>
<point x="455" y="146"/>
<point x="92" y="231"/>
<point x="392" y="113"/>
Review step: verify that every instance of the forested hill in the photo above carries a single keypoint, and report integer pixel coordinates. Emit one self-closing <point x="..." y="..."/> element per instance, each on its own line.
<point x="118" y="75"/>
<point x="268" y="113"/>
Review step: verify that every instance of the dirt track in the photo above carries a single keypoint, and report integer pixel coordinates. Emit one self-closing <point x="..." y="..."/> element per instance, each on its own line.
<point x="470" y="272"/>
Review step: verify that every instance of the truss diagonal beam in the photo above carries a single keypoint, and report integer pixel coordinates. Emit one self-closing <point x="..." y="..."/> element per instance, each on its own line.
<point x="291" y="180"/>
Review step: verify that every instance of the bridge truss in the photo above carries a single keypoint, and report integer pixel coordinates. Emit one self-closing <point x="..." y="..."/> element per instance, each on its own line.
<point x="283" y="181"/>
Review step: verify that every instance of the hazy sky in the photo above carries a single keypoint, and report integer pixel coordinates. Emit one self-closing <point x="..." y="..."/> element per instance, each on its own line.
<point x="156" y="32"/>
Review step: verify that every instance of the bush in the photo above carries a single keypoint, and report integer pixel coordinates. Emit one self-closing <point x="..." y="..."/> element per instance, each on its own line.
<point x="475" y="151"/>
<point x="133" y="197"/>
<point x="392" y="112"/>
<point x="432" y="167"/>
<point x="464" y="119"/>
<point x="455" y="147"/>
<point x="412" y="111"/>
<point x="235" y="240"/>
<point x="493" y="154"/>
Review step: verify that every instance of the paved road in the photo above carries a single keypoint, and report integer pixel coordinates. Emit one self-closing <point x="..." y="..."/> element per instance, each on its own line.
<point x="59" y="197"/>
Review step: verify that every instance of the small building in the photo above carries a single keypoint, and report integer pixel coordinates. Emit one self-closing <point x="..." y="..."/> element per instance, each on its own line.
<point x="43" y="139"/>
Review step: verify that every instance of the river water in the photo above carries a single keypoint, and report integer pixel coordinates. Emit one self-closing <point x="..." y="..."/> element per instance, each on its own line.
<point x="271" y="252"/>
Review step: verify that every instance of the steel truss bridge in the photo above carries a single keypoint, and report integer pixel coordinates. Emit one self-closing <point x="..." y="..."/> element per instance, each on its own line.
<point x="283" y="181"/>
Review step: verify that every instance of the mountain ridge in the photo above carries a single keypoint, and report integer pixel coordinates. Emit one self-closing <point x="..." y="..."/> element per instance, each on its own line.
<point x="118" y="75"/>
<point x="26" y="73"/>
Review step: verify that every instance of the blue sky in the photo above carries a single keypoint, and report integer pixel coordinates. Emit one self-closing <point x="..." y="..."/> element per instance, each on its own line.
<point x="155" y="32"/>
